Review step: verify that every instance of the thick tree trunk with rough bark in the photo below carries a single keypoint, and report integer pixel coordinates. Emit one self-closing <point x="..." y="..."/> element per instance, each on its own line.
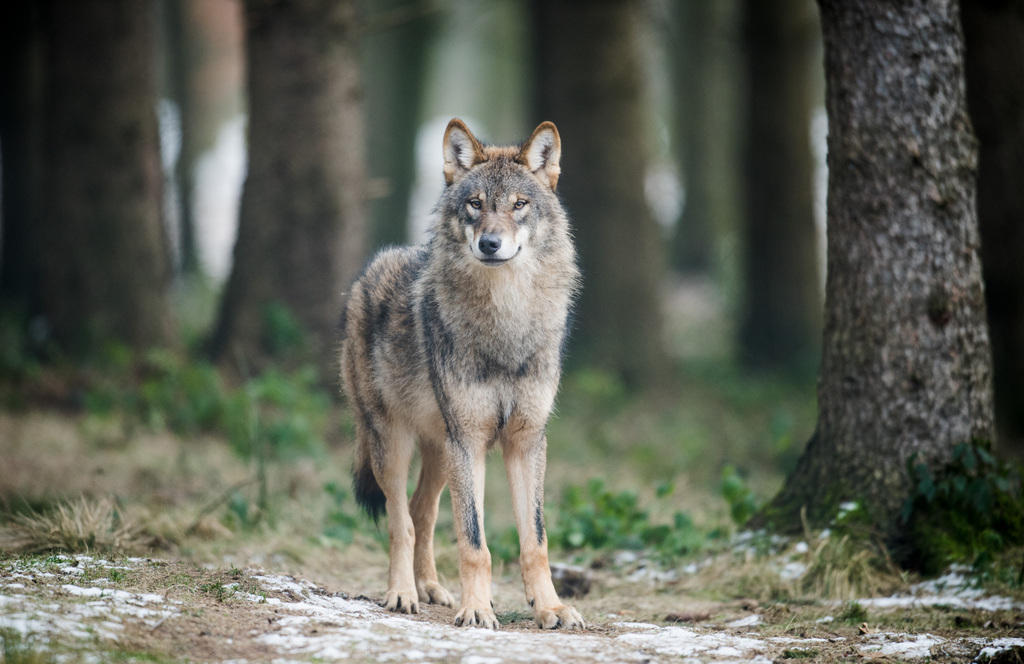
<point x="905" y="363"/>
<point x="300" y="233"/>
<point x="591" y="86"/>
<point x="102" y="261"/>
<point x="781" y="310"/>
<point x="994" y="35"/>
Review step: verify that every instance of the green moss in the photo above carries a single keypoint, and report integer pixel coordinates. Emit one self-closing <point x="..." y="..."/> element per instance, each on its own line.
<point x="969" y="511"/>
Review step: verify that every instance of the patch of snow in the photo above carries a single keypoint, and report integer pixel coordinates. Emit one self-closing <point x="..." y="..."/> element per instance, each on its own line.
<point x="801" y="547"/>
<point x="903" y="645"/>
<point x="686" y="642"/>
<point x="636" y="625"/>
<point x="825" y="619"/>
<point x="749" y="621"/>
<point x="652" y="575"/>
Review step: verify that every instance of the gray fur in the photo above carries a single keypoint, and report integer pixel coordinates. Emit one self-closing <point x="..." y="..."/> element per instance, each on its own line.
<point x="460" y="354"/>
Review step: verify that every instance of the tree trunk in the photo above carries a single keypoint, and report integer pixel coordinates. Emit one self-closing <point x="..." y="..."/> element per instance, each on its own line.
<point x="703" y="81"/>
<point x="19" y="110"/>
<point x="781" y="319"/>
<point x="994" y="35"/>
<point x="102" y="260"/>
<point x="300" y="232"/>
<point x="591" y="85"/>
<point x="394" y="66"/>
<point x="905" y="361"/>
<point x="181" y="65"/>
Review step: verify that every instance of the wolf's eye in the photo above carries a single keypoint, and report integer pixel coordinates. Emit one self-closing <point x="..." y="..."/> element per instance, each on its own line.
<point x="520" y="204"/>
<point x="475" y="203"/>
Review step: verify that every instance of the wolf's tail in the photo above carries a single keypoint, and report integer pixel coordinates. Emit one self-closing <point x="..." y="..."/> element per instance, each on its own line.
<point x="368" y="492"/>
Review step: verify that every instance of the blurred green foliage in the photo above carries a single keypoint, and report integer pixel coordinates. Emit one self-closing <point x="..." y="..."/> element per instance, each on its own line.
<point x="969" y="511"/>
<point x="742" y="502"/>
<point x="594" y="518"/>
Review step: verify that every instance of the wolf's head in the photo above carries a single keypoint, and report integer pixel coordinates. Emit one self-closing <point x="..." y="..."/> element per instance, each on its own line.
<point x="500" y="202"/>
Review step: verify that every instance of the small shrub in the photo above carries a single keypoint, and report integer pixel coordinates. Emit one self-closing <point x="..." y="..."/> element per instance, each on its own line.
<point x="594" y="517"/>
<point x="185" y="396"/>
<point x="742" y="502"/>
<point x="969" y="510"/>
<point x="853" y="614"/>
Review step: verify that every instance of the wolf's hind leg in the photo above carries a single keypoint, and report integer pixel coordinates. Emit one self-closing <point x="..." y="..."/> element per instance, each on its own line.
<point x="423" y="507"/>
<point x="524" y="464"/>
<point x="391" y="467"/>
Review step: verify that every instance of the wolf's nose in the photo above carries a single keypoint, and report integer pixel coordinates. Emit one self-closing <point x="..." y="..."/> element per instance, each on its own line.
<point x="489" y="243"/>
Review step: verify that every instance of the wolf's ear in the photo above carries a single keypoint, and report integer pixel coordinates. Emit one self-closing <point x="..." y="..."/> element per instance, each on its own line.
<point x="541" y="153"/>
<point x="461" y="150"/>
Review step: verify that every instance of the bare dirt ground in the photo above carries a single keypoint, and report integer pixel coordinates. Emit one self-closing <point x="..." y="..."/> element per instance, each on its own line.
<point x="84" y="608"/>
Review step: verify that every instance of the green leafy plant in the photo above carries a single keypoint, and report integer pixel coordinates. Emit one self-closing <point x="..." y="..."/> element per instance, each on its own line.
<point x="597" y="518"/>
<point x="969" y="510"/>
<point x="742" y="502"/>
<point x="185" y="396"/>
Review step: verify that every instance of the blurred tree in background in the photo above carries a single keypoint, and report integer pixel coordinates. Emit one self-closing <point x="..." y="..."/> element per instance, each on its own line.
<point x="394" y="48"/>
<point x="703" y="88"/>
<point x="20" y="101"/>
<point x="86" y="230"/>
<point x="199" y="40"/>
<point x="906" y="368"/>
<point x="590" y="78"/>
<point x="301" y="227"/>
<point x="994" y="36"/>
<point x="781" y="307"/>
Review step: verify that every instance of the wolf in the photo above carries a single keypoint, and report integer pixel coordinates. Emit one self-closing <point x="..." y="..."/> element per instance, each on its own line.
<point x="455" y="347"/>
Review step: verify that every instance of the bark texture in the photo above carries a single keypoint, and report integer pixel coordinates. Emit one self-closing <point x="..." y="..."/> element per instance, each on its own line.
<point x="394" y="66"/>
<point x="300" y="233"/>
<point x="905" y="362"/>
<point x="994" y="35"/>
<point x="591" y="86"/>
<point x="102" y="259"/>
<point x="781" y="310"/>
<point x="19" y="110"/>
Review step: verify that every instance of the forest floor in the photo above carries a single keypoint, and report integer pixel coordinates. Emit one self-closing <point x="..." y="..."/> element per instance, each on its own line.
<point x="174" y="573"/>
<point x="91" y="609"/>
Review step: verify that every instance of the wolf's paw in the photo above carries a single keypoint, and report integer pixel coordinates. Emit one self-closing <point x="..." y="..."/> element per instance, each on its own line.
<point x="401" y="601"/>
<point x="477" y="617"/>
<point x="432" y="592"/>
<point x="559" y="616"/>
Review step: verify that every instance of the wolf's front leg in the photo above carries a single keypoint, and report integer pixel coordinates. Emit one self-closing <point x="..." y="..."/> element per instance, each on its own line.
<point x="466" y="485"/>
<point x="525" y="458"/>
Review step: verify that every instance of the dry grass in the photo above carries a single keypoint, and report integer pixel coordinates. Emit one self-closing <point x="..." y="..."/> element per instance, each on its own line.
<point x="834" y="568"/>
<point x="844" y="568"/>
<point x="78" y="526"/>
